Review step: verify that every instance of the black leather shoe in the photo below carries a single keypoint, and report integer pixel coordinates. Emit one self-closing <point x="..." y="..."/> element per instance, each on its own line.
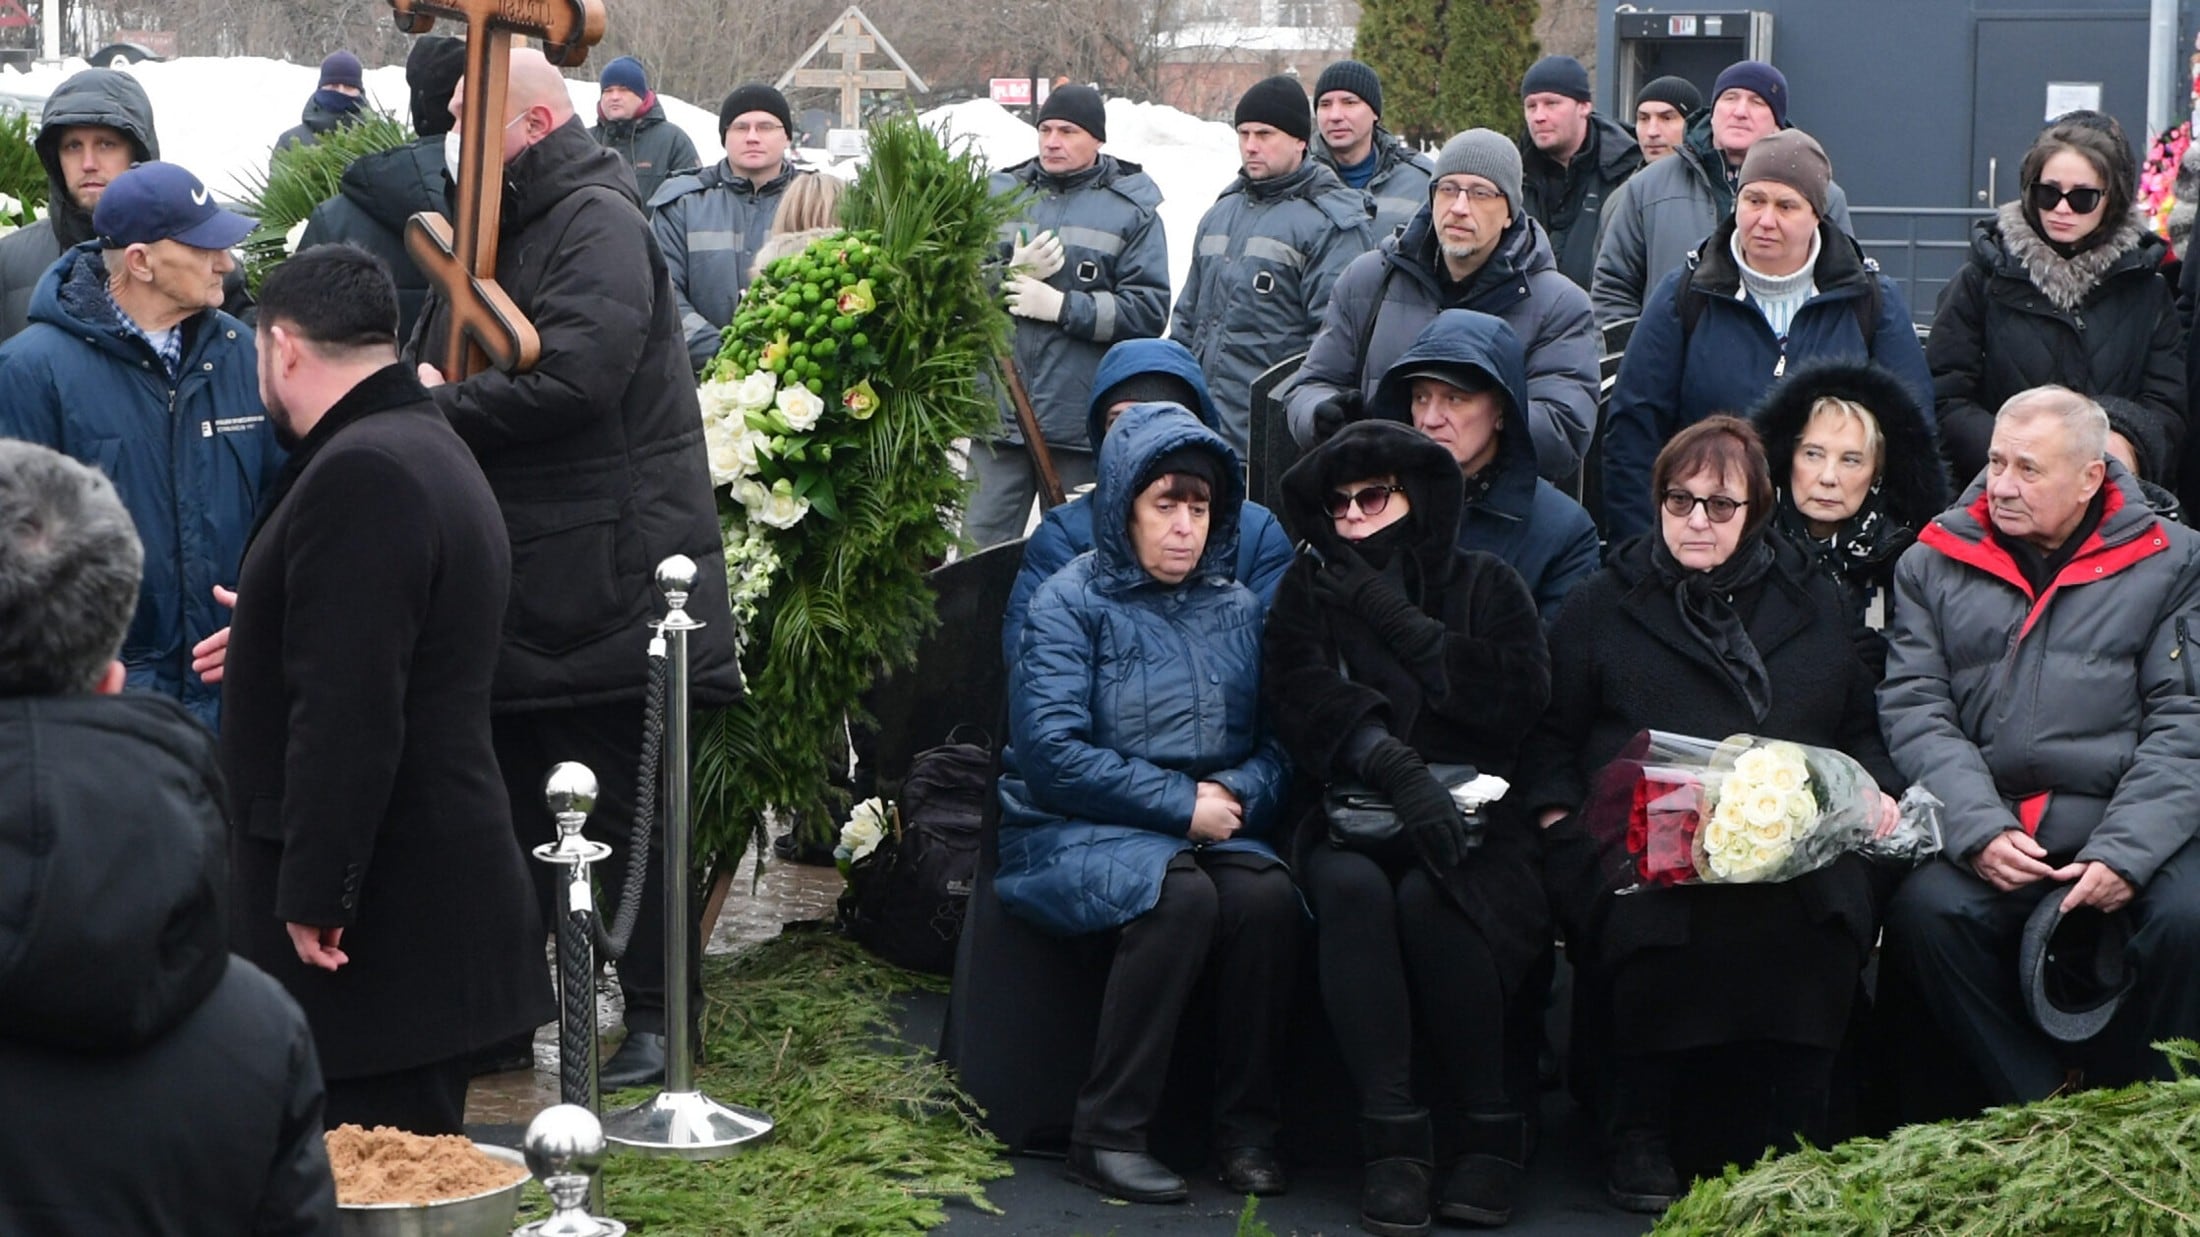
<point x="1640" y="1176"/>
<point x="1252" y="1170"/>
<point x="504" y="1056"/>
<point x="1132" y="1176"/>
<point x="639" y="1062"/>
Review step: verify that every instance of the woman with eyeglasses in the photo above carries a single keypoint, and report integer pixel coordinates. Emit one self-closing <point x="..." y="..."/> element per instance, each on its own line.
<point x="2064" y="286"/>
<point x="1391" y="654"/>
<point x="1706" y="1016"/>
<point x="1857" y="469"/>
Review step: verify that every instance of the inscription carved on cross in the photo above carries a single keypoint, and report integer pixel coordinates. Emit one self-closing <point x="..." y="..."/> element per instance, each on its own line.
<point x="485" y="326"/>
<point x="852" y="37"/>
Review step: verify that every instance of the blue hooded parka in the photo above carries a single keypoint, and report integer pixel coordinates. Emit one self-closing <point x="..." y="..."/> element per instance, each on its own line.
<point x="1125" y="694"/>
<point x="1065" y="531"/>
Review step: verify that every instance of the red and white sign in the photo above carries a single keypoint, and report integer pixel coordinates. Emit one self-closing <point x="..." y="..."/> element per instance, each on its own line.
<point x="1015" y="91"/>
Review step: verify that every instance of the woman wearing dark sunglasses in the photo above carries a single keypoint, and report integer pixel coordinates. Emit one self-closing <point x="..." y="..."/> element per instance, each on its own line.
<point x="1390" y="649"/>
<point x="2064" y="286"/>
<point x="1706" y="1017"/>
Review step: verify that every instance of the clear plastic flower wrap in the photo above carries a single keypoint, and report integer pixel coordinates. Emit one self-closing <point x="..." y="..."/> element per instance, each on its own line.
<point x="1747" y="810"/>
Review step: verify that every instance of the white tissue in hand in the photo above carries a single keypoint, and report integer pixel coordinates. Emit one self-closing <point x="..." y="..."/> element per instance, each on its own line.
<point x="1485" y="788"/>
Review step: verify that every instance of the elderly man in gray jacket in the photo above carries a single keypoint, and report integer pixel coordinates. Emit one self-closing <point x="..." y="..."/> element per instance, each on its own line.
<point x="2040" y="682"/>
<point x="1472" y="246"/>
<point x="1088" y="265"/>
<point x="1267" y="254"/>
<point x="1669" y="207"/>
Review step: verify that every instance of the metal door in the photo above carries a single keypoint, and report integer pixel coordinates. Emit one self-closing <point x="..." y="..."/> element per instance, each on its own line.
<point x="2014" y="62"/>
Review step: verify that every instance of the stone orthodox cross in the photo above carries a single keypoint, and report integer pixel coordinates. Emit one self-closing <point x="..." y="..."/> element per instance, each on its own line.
<point x="485" y="327"/>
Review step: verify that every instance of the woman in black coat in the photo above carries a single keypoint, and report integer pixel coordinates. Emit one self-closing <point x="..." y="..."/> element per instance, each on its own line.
<point x="1389" y="649"/>
<point x="2058" y="294"/>
<point x="1857" y="468"/>
<point x="1707" y="626"/>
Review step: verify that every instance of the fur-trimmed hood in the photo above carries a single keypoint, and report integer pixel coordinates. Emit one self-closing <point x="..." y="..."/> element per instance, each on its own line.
<point x="1366" y="449"/>
<point x="2007" y="245"/>
<point x="1914" y="481"/>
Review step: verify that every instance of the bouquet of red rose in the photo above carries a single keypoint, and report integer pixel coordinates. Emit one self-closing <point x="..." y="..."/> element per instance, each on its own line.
<point x="1746" y="810"/>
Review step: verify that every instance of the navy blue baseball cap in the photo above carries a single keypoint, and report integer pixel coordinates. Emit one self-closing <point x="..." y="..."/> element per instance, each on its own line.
<point x="162" y="202"/>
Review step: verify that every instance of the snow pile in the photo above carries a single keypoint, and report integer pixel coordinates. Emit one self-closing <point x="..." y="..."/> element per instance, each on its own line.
<point x="220" y="118"/>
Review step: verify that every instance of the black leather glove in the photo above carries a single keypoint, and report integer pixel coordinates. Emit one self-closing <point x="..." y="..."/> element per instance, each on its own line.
<point x="1430" y="819"/>
<point x="1334" y="414"/>
<point x="1349" y="583"/>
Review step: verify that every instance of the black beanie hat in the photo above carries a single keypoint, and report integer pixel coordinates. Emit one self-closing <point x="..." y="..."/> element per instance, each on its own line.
<point x="754" y="97"/>
<point x="432" y="71"/>
<point x="1080" y="106"/>
<point x="1280" y="102"/>
<point x="1352" y="77"/>
<point x="1154" y="386"/>
<point x="1189" y="460"/>
<point x="1678" y="93"/>
<point x="1559" y="75"/>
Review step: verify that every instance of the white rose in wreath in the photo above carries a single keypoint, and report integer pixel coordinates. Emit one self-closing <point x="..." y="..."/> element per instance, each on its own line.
<point x="800" y="408"/>
<point x="722" y="441"/>
<point x="754" y="394"/>
<point x="863" y="831"/>
<point x="780" y="509"/>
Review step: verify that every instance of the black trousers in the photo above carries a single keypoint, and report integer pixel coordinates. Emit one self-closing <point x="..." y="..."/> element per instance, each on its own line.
<point x="1394" y="954"/>
<point x="608" y="739"/>
<point x="1955" y="939"/>
<point x="426" y="1099"/>
<point x="1239" y="923"/>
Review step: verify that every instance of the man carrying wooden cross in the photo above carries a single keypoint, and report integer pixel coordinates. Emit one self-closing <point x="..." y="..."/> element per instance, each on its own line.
<point x="596" y="457"/>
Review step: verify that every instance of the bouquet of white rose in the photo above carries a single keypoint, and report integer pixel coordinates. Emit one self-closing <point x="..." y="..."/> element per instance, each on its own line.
<point x="1748" y="810"/>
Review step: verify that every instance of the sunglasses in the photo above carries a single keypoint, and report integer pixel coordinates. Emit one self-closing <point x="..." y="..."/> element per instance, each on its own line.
<point x="2046" y="197"/>
<point x="1370" y="500"/>
<point x="1718" y="508"/>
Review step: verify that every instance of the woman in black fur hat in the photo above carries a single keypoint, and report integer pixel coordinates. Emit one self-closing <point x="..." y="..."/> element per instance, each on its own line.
<point x="1388" y="650"/>
<point x="1858" y="471"/>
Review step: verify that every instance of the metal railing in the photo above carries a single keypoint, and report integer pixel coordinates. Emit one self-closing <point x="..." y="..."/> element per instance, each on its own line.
<point x="1919" y="248"/>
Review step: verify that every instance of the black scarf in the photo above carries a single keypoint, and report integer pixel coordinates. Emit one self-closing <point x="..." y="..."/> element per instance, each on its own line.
<point x="1869" y="539"/>
<point x="1706" y="603"/>
<point x="2040" y="567"/>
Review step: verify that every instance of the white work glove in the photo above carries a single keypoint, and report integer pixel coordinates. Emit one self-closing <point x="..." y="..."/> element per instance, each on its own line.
<point x="1029" y="298"/>
<point x="1040" y="256"/>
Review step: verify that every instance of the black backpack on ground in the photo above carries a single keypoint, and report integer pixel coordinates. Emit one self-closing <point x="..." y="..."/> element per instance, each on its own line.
<point x="906" y="903"/>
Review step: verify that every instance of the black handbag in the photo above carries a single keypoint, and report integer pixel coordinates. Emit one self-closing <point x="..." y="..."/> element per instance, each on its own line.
<point x="1361" y="818"/>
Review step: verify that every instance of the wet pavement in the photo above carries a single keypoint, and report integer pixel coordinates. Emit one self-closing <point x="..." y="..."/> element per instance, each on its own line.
<point x="783" y="893"/>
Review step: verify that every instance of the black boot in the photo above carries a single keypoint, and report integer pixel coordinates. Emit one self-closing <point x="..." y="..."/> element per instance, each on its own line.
<point x="1641" y="1177"/>
<point x="1480" y="1187"/>
<point x="1394" y="1188"/>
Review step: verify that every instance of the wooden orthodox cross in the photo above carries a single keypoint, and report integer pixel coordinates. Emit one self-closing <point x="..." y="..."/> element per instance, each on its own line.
<point x="485" y="326"/>
<point x="852" y="37"/>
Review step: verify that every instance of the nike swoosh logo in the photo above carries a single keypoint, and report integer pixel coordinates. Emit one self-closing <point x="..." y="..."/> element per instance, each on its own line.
<point x="198" y="196"/>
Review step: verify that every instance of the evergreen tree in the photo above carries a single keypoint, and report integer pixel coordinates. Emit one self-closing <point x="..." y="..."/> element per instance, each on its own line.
<point x="1448" y="65"/>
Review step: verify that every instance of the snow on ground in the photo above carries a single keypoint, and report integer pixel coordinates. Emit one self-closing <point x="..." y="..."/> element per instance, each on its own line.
<point x="220" y="117"/>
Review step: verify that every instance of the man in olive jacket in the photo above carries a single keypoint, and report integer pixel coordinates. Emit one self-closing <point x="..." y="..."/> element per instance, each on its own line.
<point x="596" y="457"/>
<point x="2040" y="683"/>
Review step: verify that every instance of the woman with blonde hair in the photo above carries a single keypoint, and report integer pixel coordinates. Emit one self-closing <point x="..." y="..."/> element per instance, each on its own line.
<point x="809" y="209"/>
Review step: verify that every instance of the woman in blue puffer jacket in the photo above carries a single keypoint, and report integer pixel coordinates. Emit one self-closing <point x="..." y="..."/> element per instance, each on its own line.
<point x="1140" y="796"/>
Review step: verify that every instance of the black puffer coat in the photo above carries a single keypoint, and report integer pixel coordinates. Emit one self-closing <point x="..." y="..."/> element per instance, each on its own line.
<point x="378" y="193"/>
<point x="596" y="454"/>
<point x="1911" y="488"/>
<point x="1472" y="706"/>
<point x="2103" y="323"/>
<point x="1622" y="662"/>
<point x="154" y="1084"/>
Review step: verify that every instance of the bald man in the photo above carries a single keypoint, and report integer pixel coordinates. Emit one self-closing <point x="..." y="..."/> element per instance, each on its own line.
<point x="596" y="457"/>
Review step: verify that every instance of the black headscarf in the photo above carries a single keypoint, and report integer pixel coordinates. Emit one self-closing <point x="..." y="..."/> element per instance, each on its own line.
<point x="1706" y="603"/>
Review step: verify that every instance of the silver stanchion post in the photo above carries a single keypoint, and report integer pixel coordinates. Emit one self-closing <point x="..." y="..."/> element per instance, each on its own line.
<point x="679" y="1120"/>
<point x="570" y="791"/>
<point x="564" y="1149"/>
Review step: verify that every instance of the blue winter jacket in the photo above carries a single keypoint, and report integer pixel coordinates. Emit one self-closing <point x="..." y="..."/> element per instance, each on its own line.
<point x="190" y="457"/>
<point x="1518" y="516"/>
<point x="1733" y="358"/>
<point x="1126" y="694"/>
<point x="1065" y="531"/>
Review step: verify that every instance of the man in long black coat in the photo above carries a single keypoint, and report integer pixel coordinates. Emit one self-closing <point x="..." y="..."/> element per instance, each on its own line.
<point x="374" y="867"/>
<point x="596" y="456"/>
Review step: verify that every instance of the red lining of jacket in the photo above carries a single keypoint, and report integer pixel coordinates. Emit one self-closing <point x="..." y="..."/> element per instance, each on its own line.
<point x="1988" y="556"/>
